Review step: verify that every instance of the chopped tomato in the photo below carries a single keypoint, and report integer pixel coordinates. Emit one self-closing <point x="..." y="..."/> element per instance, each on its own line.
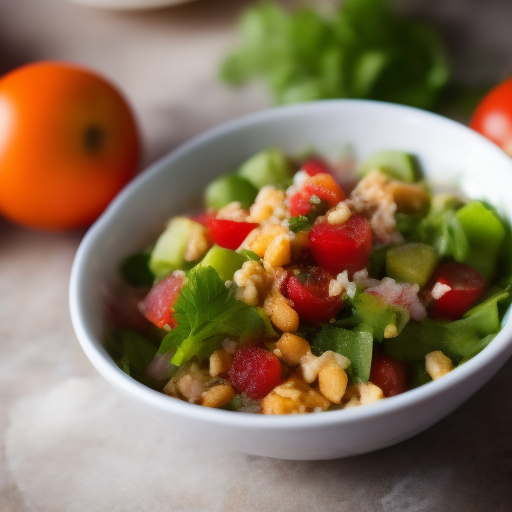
<point x="255" y="372"/>
<point x="229" y="233"/>
<point x="309" y="292"/>
<point x="341" y="247"/>
<point x="157" y="306"/>
<point x="316" y="189"/>
<point x="465" y="285"/>
<point x="389" y="374"/>
<point x="316" y="166"/>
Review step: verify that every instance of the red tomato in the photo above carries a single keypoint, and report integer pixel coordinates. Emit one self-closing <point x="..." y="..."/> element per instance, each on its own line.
<point x="493" y="116"/>
<point x="389" y="374"/>
<point x="466" y="287"/>
<point x="316" y="166"/>
<point x="323" y="187"/>
<point x="311" y="298"/>
<point x="157" y="305"/>
<point x="342" y="247"/>
<point x="255" y="372"/>
<point x="229" y="233"/>
<point x="68" y="144"/>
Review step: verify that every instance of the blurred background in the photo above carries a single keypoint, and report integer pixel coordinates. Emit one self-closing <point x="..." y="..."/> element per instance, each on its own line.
<point x="166" y="62"/>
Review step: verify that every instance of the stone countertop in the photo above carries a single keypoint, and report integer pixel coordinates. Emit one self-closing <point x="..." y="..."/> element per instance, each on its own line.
<point x="68" y="441"/>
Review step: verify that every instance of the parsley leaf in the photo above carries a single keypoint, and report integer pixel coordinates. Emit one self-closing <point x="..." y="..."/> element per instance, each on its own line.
<point x="364" y="50"/>
<point x="207" y="312"/>
<point x="299" y="223"/>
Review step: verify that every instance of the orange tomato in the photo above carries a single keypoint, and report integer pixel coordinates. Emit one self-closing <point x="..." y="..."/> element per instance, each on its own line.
<point x="68" y="144"/>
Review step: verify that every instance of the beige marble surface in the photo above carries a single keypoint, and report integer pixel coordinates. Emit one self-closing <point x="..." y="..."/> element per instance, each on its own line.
<point x="67" y="440"/>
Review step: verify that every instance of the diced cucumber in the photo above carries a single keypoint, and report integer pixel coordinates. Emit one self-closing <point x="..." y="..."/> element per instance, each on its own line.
<point x="396" y="164"/>
<point x="268" y="167"/>
<point x="168" y="254"/>
<point x="411" y="263"/>
<point x="229" y="188"/>
<point x="224" y="261"/>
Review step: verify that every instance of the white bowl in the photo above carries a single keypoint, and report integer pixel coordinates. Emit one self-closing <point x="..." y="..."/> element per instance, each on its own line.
<point x="447" y="151"/>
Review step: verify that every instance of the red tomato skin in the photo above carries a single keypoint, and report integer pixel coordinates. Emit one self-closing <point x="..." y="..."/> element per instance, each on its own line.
<point x="493" y="116"/>
<point x="321" y="185"/>
<point x="157" y="305"/>
<point x="466" y="284"/>
<point x="311" y="300"/>
<point x="389" y="374"/>
<point x="255" y="372"/>
<point x="229" y="233"/>
<point x="316" y="166"/>
<point x="342" y="247"/>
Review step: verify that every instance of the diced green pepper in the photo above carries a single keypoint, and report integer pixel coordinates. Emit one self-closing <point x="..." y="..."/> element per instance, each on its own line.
<point x="268" y="167"/>
<point x="375" y="316"/>
<point x="224" y="261"/>
<point x="355" y="345"/>
<point x="229" y="188"/>
<point x="396" y="164"/>
<point x="411" y="263"/>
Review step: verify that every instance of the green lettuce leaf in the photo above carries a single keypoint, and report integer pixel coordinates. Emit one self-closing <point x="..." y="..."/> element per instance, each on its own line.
<point x="207" y="312"/>
<point x="135" y="269"/>
<point x="132" y="353"/>
<point x="459" y="340"/>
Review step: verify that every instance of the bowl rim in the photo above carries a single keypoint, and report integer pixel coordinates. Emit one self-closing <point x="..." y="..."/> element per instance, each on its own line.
<point x="501" y="345"/>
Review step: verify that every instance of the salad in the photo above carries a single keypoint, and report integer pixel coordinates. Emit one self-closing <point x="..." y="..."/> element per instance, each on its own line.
<point x="307" y="285"/>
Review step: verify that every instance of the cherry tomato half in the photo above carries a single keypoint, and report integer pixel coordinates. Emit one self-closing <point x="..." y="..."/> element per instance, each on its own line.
<point x="389" y="374"/>
<point x="493" y="116"/>
<point x="309" y="293"/>
<point x="465" y="284"/>
<point x="255" y="372"/>
<point x="323" y="186"/>
<point x="229" y="233"/>
<point x="342" y="247"/>
<point x="68" y="144"/>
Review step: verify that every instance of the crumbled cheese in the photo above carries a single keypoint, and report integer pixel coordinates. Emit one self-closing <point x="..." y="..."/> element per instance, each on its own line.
<point x="233" y="211"/>
<point x="269" y="205"/>
<point x="401" y="294"/>
<point x="252" y="282"/>
<point x="229" y="345"/>
<point x="373" y="198"/>
<point x="299" y="179"/>
<point x="349" y="286"/>
<point x="439" y="290"/>
<point x="335" y="288"/>
<point x="311" y="365"/>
